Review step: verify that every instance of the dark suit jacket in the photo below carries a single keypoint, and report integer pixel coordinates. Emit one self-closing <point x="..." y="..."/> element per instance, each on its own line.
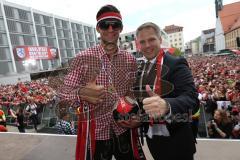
<point x="179" y="91"/>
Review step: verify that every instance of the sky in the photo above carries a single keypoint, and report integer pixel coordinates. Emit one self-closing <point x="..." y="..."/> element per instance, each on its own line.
<point x="193" y="15"/>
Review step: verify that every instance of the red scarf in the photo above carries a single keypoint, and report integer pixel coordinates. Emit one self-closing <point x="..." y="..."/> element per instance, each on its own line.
<point x="158" y="82"/>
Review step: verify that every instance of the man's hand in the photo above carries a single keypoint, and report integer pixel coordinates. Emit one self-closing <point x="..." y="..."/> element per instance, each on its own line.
<point x="154" y="105"/>
<point x="91" y="92"/>
<point x="132" y="123"/>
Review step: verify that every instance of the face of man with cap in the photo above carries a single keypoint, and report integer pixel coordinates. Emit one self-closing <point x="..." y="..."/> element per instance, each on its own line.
<point x="109" y="26"/>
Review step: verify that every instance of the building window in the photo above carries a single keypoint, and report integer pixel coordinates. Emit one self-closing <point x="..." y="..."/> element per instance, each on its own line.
<point x="14" y="39"/>
<point x="49" y="31"/>
<point x="131" y="46"/>
<point x="60" y="33"/>
<point x="5" y="53"/>
<point x="52" y="42"/>
<point x="87" y="29"/>
<point x="37" y="18"/>
<point x="1" y="11"/>
<point x="9" y="12"/>
<point x="12" y="26"/>
<point x="46" y="20"/>
<point x="5" y="67"/>
<point x="62" y="43"/>
<point x="58" y="23"/>
<point x="23" y="15"/>
<point x="3" y="39"/>
<point x="28" y="40"/>
<point x="74" y="26"/>
<point x="42" y="41"/>
<point x="66" y="33"/>
<point x="2" y="27"/>
<point x="79" y="28"/>
<point x="75" y="35"/>
<point x="91" y="38"/>
<point x="25" y="28"/>
<point x="76" y="44"/>
<point x="68" y="44"/>
<point x="44" y="31"/>
<point x="39" y="30"/>
<point x="133" y="37"/>
<point x="80" y="36"/>
<point x="65" y="24"/>
<point x="92" y="43"/>
<point x="69" y="53"/>
<point x="81" y="44"/>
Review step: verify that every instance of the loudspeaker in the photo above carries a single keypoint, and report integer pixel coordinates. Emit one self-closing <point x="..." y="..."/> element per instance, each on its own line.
<point x="238" y="41"/>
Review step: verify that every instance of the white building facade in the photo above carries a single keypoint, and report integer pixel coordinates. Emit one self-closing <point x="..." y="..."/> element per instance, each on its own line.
<point x="24" y="26"/>
<point x="207" y="41"/>
<point x="175" y="36"/>
<point x="219" y="36"/>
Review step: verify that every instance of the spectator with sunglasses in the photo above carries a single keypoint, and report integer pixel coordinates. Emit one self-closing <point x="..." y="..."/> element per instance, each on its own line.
<point x="98" y="77"/>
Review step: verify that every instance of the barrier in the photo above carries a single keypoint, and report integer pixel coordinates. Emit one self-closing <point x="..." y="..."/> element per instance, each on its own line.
<point x="15" y="146"/>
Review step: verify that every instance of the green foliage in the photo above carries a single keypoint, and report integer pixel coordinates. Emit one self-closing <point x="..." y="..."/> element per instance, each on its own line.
<point x="177" y="52"/>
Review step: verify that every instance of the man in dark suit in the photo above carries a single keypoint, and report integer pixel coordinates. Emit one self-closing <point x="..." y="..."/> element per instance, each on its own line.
<point x="168" y="95"/>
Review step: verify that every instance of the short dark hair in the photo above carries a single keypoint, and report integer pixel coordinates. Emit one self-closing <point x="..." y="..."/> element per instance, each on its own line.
<point x="149" y="25"/>
<point x="107" y="8"/>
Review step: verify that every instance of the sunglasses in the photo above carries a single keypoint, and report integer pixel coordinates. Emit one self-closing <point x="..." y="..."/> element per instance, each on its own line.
<point x="104" y="25"/>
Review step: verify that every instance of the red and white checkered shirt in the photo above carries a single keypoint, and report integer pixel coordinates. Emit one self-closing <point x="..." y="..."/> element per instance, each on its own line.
<point x="119" y="72"/>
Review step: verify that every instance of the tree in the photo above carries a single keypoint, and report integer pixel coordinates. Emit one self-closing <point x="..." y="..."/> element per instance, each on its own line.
<point x="177" y="52"/>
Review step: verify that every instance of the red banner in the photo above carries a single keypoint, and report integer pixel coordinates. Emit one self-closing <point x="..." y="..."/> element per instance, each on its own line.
<point x="35" y="52"/>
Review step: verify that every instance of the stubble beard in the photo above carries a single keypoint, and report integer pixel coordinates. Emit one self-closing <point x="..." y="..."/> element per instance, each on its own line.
<point x="110" y="47"/>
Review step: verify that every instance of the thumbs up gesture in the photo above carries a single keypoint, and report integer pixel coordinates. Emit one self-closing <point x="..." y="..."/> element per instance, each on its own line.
<point x="91" y="92"/>
<point x="154" y="105"/>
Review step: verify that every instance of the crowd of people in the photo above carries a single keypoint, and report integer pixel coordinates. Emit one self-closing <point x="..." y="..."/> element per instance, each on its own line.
<point x="17" y="94"/>
<point x="217" y="79"/>
<point x="24" y="100"/>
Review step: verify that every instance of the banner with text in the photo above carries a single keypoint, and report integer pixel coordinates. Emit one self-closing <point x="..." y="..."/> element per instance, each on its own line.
<point x="35" y="52"/>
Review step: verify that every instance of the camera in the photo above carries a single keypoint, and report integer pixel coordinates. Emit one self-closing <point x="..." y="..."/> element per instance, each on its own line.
<point x="237" y="85"/>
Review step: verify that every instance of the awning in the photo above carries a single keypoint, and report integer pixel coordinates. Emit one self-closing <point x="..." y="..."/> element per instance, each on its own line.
<point x="236" y="51"/>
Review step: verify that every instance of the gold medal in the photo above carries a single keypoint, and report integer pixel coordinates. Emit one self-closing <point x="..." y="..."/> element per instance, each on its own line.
<point x="111" y="89"/>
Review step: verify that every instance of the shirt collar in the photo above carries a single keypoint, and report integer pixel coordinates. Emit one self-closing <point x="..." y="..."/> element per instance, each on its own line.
<point x="152" y="60"/>
<point x="103" y="53"/>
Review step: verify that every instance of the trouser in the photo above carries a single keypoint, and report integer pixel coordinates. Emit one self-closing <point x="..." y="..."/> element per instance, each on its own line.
<point x="119" y="146"/>
<point x="21" y="129"/>
<point x="34" y="119"/>
<point x="3" y="123"/>
<point x="157" y="154"/>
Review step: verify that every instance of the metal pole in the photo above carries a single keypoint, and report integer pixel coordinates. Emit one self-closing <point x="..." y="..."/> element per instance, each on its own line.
<point x="204" y="117"/>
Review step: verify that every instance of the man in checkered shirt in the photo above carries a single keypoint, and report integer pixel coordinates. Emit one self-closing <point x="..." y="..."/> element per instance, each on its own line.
<point x="97" y="78"/>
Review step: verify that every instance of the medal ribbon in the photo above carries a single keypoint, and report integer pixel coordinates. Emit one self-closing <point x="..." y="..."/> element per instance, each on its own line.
<point x="158" y="87"/>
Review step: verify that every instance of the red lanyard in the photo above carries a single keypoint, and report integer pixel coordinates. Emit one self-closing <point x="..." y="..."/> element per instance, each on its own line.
<point x="158" y="88"/>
